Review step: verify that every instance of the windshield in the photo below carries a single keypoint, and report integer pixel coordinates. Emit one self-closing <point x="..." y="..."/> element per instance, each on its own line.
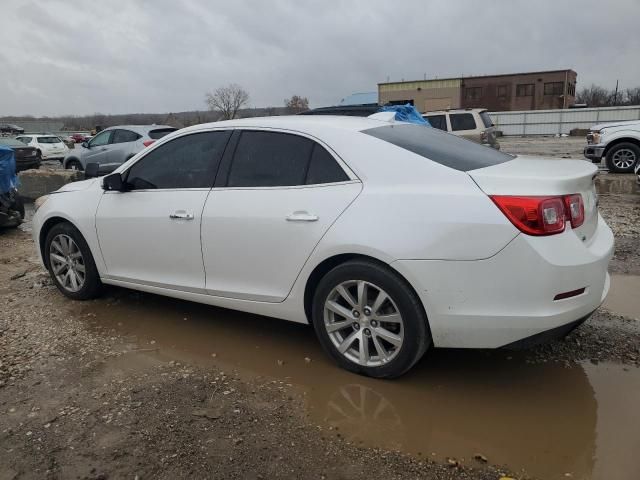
<point x="443" y="148"/>
<point x="49" y="140"/>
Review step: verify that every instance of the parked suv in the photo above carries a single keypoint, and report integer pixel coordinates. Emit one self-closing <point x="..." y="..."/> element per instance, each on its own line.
<point x="115" y="145"/>
<point x="472" y="123"/>
<point x="617" y="142"/>
<point x="49" y="147"/>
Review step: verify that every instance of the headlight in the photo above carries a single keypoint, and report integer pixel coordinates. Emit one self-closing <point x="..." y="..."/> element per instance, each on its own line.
<point x="40" y="201"/>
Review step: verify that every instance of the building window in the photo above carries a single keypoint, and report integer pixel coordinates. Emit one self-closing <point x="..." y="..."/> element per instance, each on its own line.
<point x="524" y="90"/>
<point x="572" y="89"/>
<point x="501" y="91"/>
<point x="473" y="93"/>
<point x="554" y="88"/>
<point x="400" y="102"/>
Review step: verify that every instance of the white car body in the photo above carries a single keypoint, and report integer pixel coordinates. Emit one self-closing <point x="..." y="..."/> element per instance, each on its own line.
<point x="482" y="282"/>
<point x="50" y="146"/>
<point x="603" y="136"/>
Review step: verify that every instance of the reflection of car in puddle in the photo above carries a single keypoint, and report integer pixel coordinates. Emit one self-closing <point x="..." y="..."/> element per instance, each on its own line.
<point x="536" y="417"/>
<point x="362" y="413"/>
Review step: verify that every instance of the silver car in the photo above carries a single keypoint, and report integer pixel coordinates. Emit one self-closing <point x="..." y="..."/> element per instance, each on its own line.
<point x="115" y="145"/>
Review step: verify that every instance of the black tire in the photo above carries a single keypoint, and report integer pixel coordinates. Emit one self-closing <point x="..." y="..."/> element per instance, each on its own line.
<point x="18" y="205"/>
<point x="417" y="336"/>
<point x="39" y="156"/>
<point x="74" y="165"/>
<point x="92" y="284"/>
<point x="631" y="149"/>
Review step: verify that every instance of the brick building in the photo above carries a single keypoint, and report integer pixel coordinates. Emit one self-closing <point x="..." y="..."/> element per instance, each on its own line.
<point x="517" y="91"/>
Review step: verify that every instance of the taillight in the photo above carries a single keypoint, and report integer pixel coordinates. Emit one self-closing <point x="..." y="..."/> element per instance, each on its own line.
<point x="575" y="209"/>
<point x="533" y="215"/>
<point x="146" y="143"/>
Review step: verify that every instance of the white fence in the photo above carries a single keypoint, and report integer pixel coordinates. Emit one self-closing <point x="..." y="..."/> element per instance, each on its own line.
<point x="551" y="122"/>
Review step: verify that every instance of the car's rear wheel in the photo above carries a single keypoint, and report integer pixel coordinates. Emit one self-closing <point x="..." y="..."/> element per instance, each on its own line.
<point x="623" y="157"/>
<point x="70" y="263"/>
<point x="74" y="165"/>
<point x="369" y="320"/>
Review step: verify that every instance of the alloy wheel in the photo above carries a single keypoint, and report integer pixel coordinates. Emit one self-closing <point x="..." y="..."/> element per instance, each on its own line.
<point x="624" y="158"/>
<point x="67" y="263"/>
<point x="363" y="323"/>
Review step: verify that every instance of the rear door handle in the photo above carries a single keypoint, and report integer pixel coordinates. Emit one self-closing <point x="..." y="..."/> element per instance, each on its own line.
<point x="181" y="215"/>
<point x="302" y="216"/>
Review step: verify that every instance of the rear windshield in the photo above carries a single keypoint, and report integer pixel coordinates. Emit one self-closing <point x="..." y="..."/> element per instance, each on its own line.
<point x="486" y="119"/>
<point x="160" y="132"/>
<point x="11" y="142"/>
<point x="443" y="148"/>
<point x="49" y="140"/>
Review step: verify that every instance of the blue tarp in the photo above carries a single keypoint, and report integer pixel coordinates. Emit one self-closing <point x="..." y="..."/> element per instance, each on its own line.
<point x="8" y="178"/>
<point x="406" y="113"/>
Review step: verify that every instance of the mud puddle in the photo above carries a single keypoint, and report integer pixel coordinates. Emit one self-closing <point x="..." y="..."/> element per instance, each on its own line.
<point x="547" y="419"/>
<point x="624" y="295"/>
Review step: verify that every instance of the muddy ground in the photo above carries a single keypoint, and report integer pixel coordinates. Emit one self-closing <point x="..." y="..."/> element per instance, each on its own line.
<point x="134" y="385"/>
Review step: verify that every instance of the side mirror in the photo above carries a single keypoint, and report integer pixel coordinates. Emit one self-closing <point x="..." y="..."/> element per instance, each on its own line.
<point x="91" y="170"/>
<point x="85" y="144"/>
<point x="113" y="182"/>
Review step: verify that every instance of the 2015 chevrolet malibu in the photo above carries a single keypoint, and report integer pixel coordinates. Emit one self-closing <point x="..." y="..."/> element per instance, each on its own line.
<point x="388" y="237"/>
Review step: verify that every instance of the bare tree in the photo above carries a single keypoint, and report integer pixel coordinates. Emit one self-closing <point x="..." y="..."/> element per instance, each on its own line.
<point x="595" y="96"/>
<point x="228" y="100"/>
<point x="296" y="104"/>
<point x="632" y="96"/>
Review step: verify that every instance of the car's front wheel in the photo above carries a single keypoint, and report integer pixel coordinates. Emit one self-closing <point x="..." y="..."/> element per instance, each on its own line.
<point x="623" y="157"/>
<point x="70" y="263"/>
<point x="74" y="165"/>
<point x="369" y="320"/>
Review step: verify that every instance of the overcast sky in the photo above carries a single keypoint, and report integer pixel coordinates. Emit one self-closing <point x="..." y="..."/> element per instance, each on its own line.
<point x="124" y="56"/>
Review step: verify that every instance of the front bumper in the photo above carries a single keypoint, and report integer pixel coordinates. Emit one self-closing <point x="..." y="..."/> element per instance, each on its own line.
<point x="594" y="152"/>
<point x="495" y="302"/>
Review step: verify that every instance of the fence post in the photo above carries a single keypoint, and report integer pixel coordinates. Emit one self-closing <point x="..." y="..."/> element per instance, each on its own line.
<point x="524" y="124"/>
<point x="560" y="123"/>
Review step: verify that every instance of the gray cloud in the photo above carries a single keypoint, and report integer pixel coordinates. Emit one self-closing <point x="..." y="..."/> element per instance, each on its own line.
<point x="78" y="57"/>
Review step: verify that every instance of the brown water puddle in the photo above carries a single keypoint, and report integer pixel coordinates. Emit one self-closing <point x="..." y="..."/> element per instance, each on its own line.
<point x="624" y="295"/>
<point x="546" y="419"/>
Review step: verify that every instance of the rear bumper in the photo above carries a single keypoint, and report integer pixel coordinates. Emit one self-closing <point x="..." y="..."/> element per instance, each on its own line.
<point x="594" y="153"/>
<point x="509" y="297"/>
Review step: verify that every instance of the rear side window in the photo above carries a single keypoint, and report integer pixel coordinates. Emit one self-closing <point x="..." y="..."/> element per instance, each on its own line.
<point x="442" y="148"/>
<point x="49" y="140"/>
<point x="462" y="121"/>
<point x="160" y="132"/>
<point x="486" y="119"/>
<point x="185" y="162"/>
<point x="124" y="136"/>
<point x="269" y="159"/>
<point x="323" y="168"/>
<point x="438" y="121"/>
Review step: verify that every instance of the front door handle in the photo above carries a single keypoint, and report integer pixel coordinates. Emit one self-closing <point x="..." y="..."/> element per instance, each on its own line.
<point x="181" y="215"/>
<point x="302" y="216"/>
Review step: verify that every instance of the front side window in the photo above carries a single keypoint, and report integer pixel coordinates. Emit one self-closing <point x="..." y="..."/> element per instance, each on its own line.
<point x="185" y="162"/>
<point x="438" y="121"/>
<point x="486" y="119"/>
<point x="462" y="121"/>
<point x="124" y="136"/>
<point x="26" y="140"/>
<point x="439" y="147"/>
<point x="103" y="138"/>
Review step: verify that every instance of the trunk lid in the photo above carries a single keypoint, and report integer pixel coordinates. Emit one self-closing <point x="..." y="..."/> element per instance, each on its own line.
<point x="540" y="176"/>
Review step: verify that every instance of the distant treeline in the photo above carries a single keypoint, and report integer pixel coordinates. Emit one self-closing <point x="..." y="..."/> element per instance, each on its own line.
<point x="177" y="119"/>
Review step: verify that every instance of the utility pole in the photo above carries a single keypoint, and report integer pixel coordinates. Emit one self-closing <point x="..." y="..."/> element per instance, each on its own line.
<point x="615" y="95"/>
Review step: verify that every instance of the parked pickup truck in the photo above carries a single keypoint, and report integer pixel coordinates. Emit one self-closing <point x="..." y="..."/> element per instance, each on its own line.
<point x="617" y="142"/>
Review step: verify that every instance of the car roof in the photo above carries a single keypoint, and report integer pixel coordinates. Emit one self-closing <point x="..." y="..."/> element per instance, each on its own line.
<point x="455" y="110"/>
<point x="301" y="123"/>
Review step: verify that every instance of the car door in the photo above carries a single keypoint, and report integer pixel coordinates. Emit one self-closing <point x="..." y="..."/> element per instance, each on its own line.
<point x="97" y="149"/>
<point x="120" y="148"/>
<point x="273" y="201"/>
<point x="150" y="234"/>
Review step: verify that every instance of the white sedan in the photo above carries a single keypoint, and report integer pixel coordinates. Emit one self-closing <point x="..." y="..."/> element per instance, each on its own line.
<point x="388" y="237"/>
<point x="49" y="147"/>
